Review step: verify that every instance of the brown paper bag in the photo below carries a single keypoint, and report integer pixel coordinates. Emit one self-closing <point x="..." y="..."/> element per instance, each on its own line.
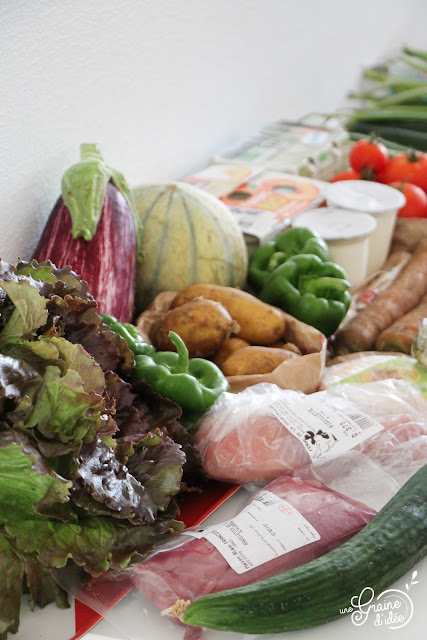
<point x="300" y="374"/>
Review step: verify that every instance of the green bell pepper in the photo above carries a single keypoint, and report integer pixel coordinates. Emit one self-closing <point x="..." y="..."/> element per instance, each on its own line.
<point x="291" y="242"/>
<point x="130" y="333"/>
<point x="312" y="291"/>
<point x="193" y="383"/>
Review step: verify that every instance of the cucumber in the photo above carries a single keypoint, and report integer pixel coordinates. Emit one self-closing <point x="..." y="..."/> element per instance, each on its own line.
<point x="407" y="137"/>
<point x="314" y="593"/>
<point x="393" y="147"/>
<point x="399" y="123"/>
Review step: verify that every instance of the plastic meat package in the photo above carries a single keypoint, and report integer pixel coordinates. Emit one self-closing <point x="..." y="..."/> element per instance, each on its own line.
<point x="310" y="494"/>
<point x="351" y="364"/>
<point x="264" y="432"/>
<point x="282" y="525"/>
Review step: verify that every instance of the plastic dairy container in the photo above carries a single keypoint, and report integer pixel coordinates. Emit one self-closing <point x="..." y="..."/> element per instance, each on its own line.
<point x="347" y="234"/>
<point x="380" y="201"/>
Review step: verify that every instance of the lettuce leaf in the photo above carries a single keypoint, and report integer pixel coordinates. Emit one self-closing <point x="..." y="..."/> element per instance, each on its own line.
<point x="29" y="307"/>
<point x="68" y="404"/>
<point x="11" y="577"/>
<point x="19" y="571"/>
<point x="96" y="543"/>
<point x="25" y="479"/>
<point x="31" y="541"/>
<point x="89" y="464"/>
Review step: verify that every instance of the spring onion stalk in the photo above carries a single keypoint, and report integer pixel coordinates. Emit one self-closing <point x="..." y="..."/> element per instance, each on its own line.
<point x="397" y="83"/>
<point x="405" y="97"/>
<point x="383" y="96"/>
<point x="384" y="89"/>
<point x="418" y="66"/>
<point x="416" y="53"/>
<point x="393" y="105"/>
<point x="376" y="75"/>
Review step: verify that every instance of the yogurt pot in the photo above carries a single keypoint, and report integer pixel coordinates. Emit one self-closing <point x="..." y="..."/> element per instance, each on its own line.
<point x="347" y="234"/>
<point x="380" y="201"/>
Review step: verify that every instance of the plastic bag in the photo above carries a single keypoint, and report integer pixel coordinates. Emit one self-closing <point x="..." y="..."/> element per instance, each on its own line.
<point x="283" y="525"/>
<point x="264" y="431"/>
<point x="419" y="346"/>
<point x="371" y="472"/>
<point x="287" y="523"/>
<point x="351" y="364"/>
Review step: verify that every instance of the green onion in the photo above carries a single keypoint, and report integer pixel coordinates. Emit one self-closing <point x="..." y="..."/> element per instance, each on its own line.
<point x="394" y="103"/>
<point x="396" y="83"/>
<point x="416" y="53"/>
<point x="419" y="66"/>
<point x="404" y="96"/>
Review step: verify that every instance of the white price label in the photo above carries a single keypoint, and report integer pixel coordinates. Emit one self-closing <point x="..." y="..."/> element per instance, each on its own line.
<point x="266" y="529"/>
<point x="325" y="429"/>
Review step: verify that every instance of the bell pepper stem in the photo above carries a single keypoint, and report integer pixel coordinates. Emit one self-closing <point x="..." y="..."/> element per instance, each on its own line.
<point x="181" y="365"/>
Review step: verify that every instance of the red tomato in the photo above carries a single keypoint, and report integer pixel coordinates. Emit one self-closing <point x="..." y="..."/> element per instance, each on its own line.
<point x="369" y="157"/>
<point x="347" y="174"/>
<point x="379" y="177"/>
<point x="416" y="200"/>
<point x="409" y="167"/>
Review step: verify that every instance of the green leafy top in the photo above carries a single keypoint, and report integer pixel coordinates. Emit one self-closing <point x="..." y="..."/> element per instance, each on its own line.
<point x="84" y="186"/>
<point x="89" y="464"/>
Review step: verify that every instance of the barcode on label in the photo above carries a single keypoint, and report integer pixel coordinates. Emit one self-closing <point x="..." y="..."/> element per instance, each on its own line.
<point x="253" y="220"/>
<point x="364" y="422"/>
<point x="266" y="498"/>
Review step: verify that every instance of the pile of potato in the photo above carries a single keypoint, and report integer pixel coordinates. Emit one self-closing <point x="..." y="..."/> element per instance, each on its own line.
<point x="241" y="334"/>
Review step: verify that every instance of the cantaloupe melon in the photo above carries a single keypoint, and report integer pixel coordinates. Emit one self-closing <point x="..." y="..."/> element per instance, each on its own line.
<point x="189" y="236"/>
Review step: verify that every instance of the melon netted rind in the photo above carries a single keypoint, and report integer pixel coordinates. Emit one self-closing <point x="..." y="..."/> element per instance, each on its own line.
<point x="189" y="236"/>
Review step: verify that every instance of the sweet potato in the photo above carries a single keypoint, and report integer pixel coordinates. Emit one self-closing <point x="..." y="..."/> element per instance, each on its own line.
<point x="405" y="293"/>
<point x="202" y="324"/>
<point x="255" y="360"/>
<point x="260" y="323"/>
<point x="408" y="233"/>
<point x="401" y="334"/>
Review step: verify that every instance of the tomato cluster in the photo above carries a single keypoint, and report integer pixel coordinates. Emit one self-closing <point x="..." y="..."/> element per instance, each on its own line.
<point x="407" y="171"/>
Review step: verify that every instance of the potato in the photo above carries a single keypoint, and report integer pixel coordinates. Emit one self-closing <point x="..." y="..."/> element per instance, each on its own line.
<point x="202" y="324"/>
<point x="228" y="347"/>
<point x="254" y="360"/>
<point x="290" y="346"/>
<point x="260" y="323"/>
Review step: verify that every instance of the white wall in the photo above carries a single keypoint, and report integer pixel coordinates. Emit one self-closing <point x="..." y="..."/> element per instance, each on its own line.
<point x="161" y="85"/>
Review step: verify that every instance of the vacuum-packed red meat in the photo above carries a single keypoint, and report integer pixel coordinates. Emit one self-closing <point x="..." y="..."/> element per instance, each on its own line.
<point x="287" y="523"/>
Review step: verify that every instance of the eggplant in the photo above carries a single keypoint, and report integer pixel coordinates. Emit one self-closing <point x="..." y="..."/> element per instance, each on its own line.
<point x="94" y="228"/>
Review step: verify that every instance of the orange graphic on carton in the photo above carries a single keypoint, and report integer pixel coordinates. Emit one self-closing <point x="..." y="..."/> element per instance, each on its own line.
<point x="283" y="196"/>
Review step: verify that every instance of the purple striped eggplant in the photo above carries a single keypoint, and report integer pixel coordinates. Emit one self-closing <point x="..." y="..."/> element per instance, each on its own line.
<point x="94" y="228"/>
